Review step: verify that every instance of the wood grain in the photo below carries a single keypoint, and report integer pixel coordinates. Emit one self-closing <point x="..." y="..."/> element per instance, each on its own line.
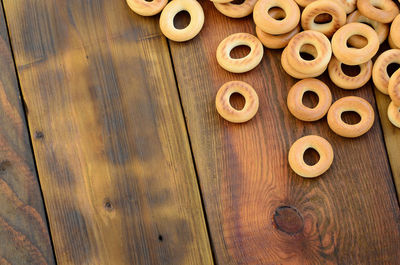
<point x="258" y="210"/>
<point x="24" y="233"/>
<point x="109" y="135"/>
<point x="392" y="137"/>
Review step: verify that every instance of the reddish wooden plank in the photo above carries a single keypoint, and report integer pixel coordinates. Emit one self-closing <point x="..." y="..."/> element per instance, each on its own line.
<point x="259" y="211"/>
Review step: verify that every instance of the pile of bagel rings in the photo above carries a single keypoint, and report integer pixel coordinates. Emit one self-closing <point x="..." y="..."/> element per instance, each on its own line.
<point x="334" y="33"/>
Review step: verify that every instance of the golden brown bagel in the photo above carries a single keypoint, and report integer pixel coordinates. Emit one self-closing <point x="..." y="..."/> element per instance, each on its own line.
<point x="333" y="8"/>
<point x="323" y="52"/>
<point x="383" y="11"/>
<point x="394" y="114"/>
<point x="244" y="64"/>
<point x="351" y="103"/>
<point x="353" y="56"/>
<point x="344" y="81"/>
<point x="145" y="8"/>
<point x="295" y="99"/>
<point x="196" y="20"/>
<point x="236" y="11"/>
<point x="381" y="29"/>
<point x="296" y="156"/>
<point x="379" y="71"/>
<point x="394" y="88"/>
<point x="270" y="25"/>
<point x="224" y="107"/>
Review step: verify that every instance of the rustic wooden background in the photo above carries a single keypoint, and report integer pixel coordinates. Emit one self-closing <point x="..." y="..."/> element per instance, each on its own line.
<point x="111" y="151"/>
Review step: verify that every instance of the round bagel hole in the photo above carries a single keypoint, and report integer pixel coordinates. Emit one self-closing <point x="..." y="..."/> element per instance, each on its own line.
<point x="351" y="70"/>
<point x="351" y="117"/>
<point x="323" y="18"/>
<point x="237" y="2"/>
<point x="182" y="19"/>
<point x="307" y="52"/>
<point x="311" y="156"/>
<point x="363" y="41"/>
<point x="240" y="51"/>
<point x="310" y="99"/>
<point x="392" y="68"/>
<point x="277" y="13"/>
<point x="376" y="5"/>
<point x="237" y="101"/>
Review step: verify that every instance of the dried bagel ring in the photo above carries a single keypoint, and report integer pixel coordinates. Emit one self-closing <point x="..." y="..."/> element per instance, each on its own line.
<point x="353" y="56"/>
<point x="394" y="88"/>
<point x="381" y="29"/>
<point x="320" y="7"/>
<point x="348" y="5"/>
<point x="236" y="11"/>
<point x="224" y="107"/>
<point x="293" y="72"/>
<point x="344" y="81"/>
<point x="383" y="11"/>
<point x="296" y="156"/>
<point x="295" y="99"/>
<point x="244" y="64"/>
<point x="145" y="8"/>
<point x="322" y="46"/>
<point x="391" y="44"/>
<point x="221" y="1"/>
<point x="270" y="25"/>
<point x="304" y="3"/>
<point x="351" y="103"/>
<point x="196" y="20"/>
<point x="394" y="38"/>
<point x="394" y="114"/>
<point x="276" y="41"/>
<point x="379" y="71"/>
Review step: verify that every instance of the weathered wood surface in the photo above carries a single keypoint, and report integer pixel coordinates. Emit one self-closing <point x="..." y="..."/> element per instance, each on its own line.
<point x="392" y="137"/>
<point x="108" y="133"/>
<point x="24" y="234"/>
<point x="258" y="210"/>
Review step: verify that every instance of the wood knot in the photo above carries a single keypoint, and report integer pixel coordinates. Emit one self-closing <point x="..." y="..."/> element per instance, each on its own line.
<point x="39" y="135"/>
<point x="4" y="164"/>
<point x="288" y="220"/>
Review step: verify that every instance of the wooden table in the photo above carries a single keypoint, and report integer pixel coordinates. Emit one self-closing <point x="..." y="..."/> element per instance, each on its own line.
<point x="111" y="151"/>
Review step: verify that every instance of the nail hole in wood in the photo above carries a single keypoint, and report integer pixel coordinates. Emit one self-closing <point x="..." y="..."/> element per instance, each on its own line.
<point x="108" y="205"/>
<point x="39" y="135"/>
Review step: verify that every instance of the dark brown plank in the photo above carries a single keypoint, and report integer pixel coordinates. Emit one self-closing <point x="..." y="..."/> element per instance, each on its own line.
<point x="24" y="234"/>
<point x="109" y="135"/>
<point x="258" y="210"/>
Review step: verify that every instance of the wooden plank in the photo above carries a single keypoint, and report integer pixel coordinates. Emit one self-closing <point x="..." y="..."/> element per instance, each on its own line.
<point x="109" y="135"/>
<point x="24" y="233"/>
<point x="258" y="210"/>
<point x="392" y="137"/>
